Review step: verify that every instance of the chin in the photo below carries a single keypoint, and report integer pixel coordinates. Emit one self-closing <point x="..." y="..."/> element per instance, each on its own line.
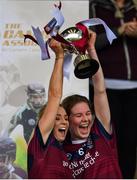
<point x="84" y="136"/>
<point x="60" y="139"/>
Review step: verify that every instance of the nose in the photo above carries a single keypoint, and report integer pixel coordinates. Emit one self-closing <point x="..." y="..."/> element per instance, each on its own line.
<point x="63" y="121"/>
<point x="37" y="100"/>
<point x="84" y="118"/>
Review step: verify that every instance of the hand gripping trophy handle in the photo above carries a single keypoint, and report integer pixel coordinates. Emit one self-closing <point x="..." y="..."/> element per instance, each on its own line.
<point x="85" y="67"/>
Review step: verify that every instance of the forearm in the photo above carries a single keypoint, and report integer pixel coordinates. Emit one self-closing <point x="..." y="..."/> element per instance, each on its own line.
<point x="98" y="78"/>
<point x="56" y="80"/>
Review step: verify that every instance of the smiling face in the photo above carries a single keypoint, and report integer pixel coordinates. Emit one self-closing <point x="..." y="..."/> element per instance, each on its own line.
<point x="80" y="120"/>
<point x="61" y="124"/>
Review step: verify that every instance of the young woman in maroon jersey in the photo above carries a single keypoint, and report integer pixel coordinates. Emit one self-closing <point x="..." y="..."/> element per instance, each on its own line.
<point x="91" y="148"/>
<point x="45" y="152"/>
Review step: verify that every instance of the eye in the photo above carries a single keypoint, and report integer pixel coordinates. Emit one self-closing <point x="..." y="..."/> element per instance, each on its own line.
<point x="78" y="115"/>
<point x="88" y="113"/>
<point x="66" y="118"/>
<point x="57" y="118"/>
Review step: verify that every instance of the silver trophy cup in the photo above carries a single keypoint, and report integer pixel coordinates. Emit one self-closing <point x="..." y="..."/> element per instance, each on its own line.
<point x="85" y="67"/>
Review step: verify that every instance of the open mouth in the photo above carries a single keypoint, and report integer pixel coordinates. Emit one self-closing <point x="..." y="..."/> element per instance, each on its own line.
<point x="84" y="125"/>
<point x="62" y="131"/>
<point x="84" y="128"/>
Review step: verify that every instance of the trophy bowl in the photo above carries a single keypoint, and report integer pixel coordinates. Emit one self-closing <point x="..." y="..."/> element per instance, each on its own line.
<point x="71" y="34"/>
<point x="85" y="67"/>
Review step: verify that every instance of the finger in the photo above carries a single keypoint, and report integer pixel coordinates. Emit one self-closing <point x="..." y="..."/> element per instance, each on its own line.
<point x="131" y="28"/>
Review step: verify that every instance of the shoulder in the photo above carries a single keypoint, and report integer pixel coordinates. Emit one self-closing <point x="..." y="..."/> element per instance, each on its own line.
<point x="37" y="140"/>
<point x="21" y="109"/>
<point x="99" y="129"/>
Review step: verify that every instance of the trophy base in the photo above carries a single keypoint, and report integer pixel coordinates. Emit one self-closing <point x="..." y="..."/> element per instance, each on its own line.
<point x="86" y="68"/>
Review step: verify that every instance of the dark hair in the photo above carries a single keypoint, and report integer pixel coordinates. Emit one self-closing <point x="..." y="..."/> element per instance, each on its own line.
<point x="72" y="100"/>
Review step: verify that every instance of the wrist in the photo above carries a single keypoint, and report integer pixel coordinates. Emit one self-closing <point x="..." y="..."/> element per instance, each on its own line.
<point x="91" y="49"/>
<point x="60" y="57"/>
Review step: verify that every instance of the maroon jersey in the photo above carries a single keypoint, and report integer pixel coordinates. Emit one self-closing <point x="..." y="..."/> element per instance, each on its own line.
<point x="46" y="161"/>
<point x="96" y="158"/>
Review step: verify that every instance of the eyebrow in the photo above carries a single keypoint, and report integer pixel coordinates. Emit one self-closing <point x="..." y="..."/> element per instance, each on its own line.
<point x="73" y="114"/>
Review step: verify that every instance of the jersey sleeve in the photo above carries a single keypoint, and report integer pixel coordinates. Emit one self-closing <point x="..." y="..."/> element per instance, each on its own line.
<point x="109" y="139"/>
<point x="37" y="148"/>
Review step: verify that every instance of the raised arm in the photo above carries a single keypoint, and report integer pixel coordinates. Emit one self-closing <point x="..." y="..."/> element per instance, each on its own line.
<point x="101" y="105"/>
<point x="46" y="122"/>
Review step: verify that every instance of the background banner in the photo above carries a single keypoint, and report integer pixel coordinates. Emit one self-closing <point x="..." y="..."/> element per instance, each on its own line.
<point x="21" y="64"/>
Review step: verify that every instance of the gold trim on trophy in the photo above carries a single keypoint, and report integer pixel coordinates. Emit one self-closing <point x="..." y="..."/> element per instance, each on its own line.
<point x="85" y="67"/>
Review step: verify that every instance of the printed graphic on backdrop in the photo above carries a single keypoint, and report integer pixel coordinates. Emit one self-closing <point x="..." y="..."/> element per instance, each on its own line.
<point x="24" y="78"/>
